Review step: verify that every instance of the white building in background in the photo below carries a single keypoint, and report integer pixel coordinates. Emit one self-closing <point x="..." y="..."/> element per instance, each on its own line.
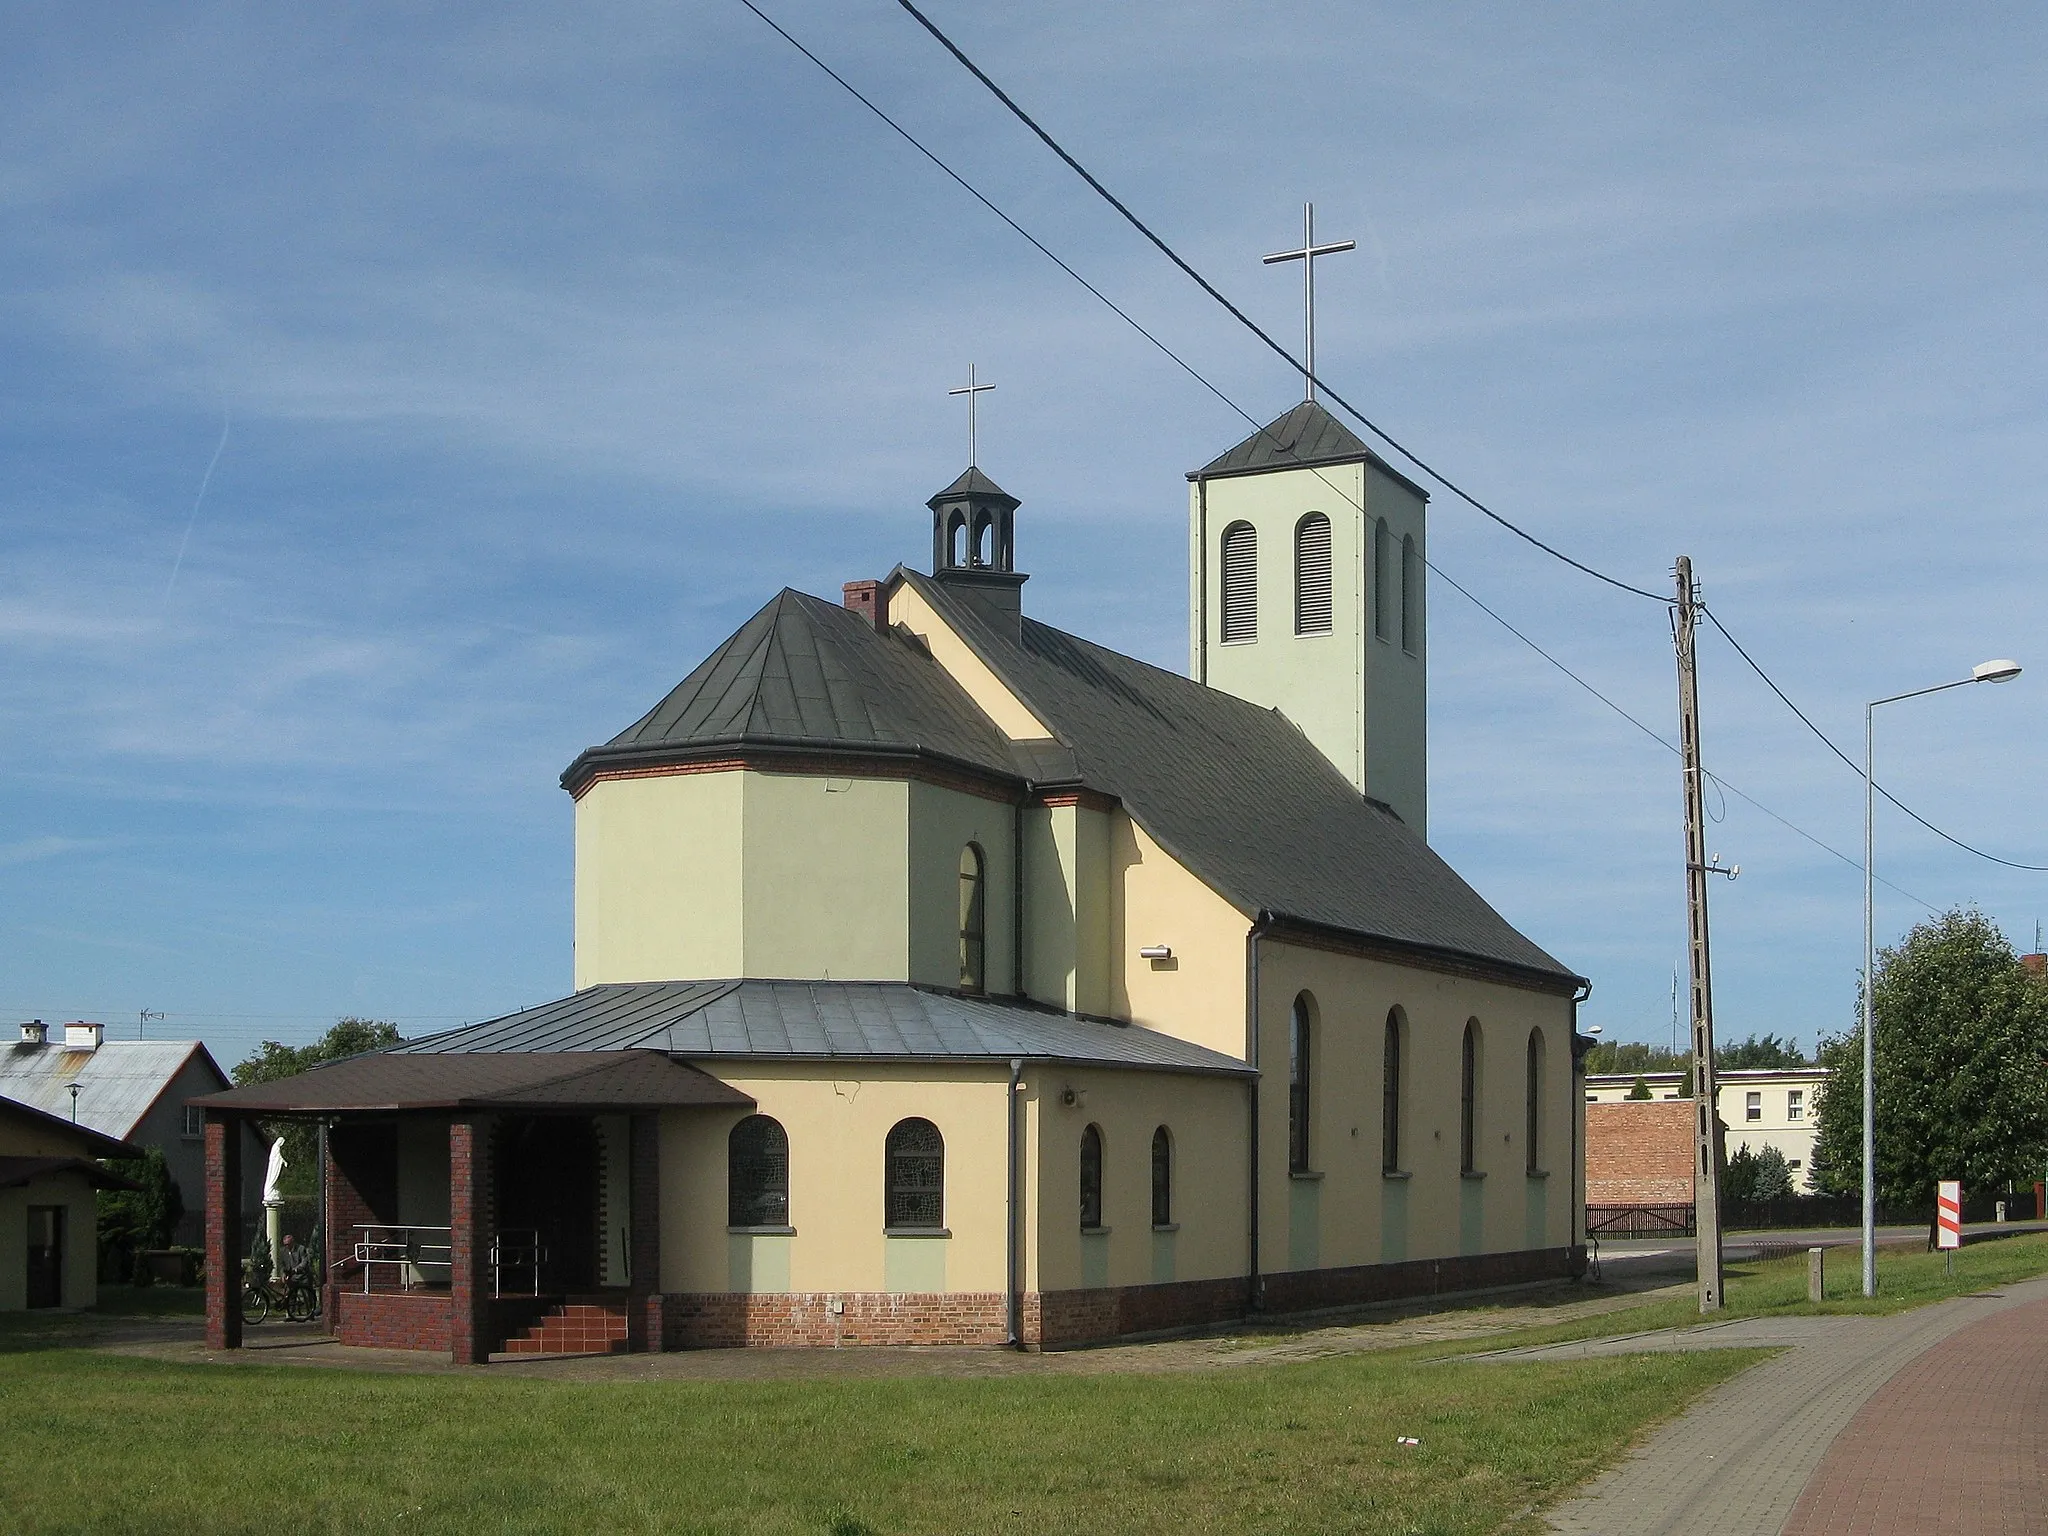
<point x="1761" y="1106"/>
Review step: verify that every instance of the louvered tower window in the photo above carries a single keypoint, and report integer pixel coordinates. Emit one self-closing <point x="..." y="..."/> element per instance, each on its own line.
<point x="1240" y="583"/>
<point x="1411" y="597"/>
<point x="1383" y="578"/>
<point x="1312" y="575"/>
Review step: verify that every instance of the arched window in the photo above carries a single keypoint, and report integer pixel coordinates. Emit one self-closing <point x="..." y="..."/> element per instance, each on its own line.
<point x="1533" y="1110"/>
<point x="1299" y="1068"/>
<point x="757" y="1174"/>
<point x="1468" y="1101"/>
<point x="916" y="1156"/>
<point x="1162" y="1178"/>
<point x="1312" y="575"/>
<point x="956" y="539"/>
<point x="978" y="550"/>
<point x="1091" y="1179"/>
<point x="1383" y="580"/>
<point x="1411" y="597"/>
<point x="973" y="921"/>
<point x="1390" y="1095"/>
<point x="1240" y="583"/>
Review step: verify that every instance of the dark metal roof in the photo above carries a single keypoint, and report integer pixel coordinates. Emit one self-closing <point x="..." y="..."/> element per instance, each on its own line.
<point x="1243" y="798"/>
<point x="17" y="1171"/>
<point x="973" y="482"/>
<point x="1305" y="436"/>
<point x="405" y="1078"/>
<point x="820" y="1020"/>
<point x="807" y="674"/>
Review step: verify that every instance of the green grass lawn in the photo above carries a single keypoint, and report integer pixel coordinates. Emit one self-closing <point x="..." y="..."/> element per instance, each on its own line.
<point x="118" y="1445"/>
<point x="104" y="1443"/>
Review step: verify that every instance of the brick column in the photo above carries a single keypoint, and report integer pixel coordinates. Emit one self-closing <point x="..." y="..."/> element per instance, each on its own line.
<point x="643" y="1312"/>
<point x="469" y="1215"/>
<point x="223" y="1230"/>
<point x="346" y="1210"/>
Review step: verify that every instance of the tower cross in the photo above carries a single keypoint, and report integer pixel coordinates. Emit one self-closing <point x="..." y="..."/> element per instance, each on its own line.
<point x="971" y="389"/>
<point x="1307" y="257"/>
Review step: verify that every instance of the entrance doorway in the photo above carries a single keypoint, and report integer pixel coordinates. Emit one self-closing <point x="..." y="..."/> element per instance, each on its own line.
<point x="46" y="1255"/>
<point x="547" y="1180"/>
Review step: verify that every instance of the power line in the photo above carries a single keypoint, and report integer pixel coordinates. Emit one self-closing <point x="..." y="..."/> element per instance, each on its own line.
<point x="1212" y="388"/>
<point x="1246" y="320"/>
<point x="1854" y="766"/>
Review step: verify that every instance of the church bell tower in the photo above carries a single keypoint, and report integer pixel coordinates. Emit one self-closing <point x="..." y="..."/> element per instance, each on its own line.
<point x="1307" y="553"/>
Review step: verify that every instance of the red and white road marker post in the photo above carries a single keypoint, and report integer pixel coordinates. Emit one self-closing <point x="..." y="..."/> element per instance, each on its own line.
<point x="1948" y="1221"/>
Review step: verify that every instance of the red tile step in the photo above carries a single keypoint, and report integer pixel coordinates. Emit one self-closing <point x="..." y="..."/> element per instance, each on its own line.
<point x="574" y="1328"/>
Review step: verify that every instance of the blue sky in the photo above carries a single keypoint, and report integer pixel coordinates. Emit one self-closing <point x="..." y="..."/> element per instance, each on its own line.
<point x="532" y="349"/>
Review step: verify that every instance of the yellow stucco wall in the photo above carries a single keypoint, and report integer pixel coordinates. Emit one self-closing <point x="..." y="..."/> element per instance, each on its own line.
<point x="1011" y="714"/>
<point x="1198" y="994"/>
<point x="837" y="1118"/>
<point x="81" y="1243"/>
<point x="658" y="890"/>
<point x="942" y="823"/>
<point x="1359" y="1216"/>
<point x="1068" y="948"/>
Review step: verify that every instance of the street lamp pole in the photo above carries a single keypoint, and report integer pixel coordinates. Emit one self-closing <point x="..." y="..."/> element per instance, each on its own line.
<point x="1983" y="672"/>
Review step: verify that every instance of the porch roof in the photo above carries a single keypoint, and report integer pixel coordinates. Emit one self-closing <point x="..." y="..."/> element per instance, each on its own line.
<point x="510" y="1080"/>
<point x="17" y="1171"/>
<point x="712" y="1021"/>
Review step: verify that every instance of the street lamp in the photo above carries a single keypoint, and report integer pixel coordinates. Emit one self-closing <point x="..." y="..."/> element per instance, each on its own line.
<point x="1983" y="672"/>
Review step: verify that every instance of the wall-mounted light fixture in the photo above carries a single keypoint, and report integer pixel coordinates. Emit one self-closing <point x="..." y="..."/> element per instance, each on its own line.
<point x="1156" y="952"/>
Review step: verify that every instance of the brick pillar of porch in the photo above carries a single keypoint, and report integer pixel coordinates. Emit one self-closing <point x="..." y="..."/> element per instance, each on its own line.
<point x="223" y="1230"/>
<point x="347" y="1210"/>
<point x="469" y="1217"/>
<point x="644" y="1307"/>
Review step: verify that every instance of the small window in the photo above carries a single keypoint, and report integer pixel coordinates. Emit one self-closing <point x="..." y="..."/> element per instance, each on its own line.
<point x="1383" y="574"/>
<point x="1533" y="1112"/>
<point x="1299" y="1068"/>
<point x="195" y="1121"/>
<point x="1752" y="1106"/>
<point x="1468" y="1101"/>
<point x="973" y="921"/>
<point x="1792" y="1162"/>
<point x="1240" y="583"/>
<point x="1411" y="597"/>
<point x="916" y="1155"/>
<point x="1162" y="1178"/>
<point x="1795" y="1104"/>
<point x="1390" y="1095"/>
<point x="1091" y="1179"/>
<point x="757" y="1174"/>
<point x="1312" y="575"/>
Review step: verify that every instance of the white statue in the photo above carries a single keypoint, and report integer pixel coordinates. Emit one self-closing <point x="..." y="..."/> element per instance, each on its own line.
<point x="275" y="1172"/>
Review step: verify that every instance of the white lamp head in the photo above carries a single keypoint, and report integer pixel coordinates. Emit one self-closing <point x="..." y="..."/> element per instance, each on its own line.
<point x="1994" y="671"/>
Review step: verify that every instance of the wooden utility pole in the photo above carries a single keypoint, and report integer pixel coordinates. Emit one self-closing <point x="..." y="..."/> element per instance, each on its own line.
<point x="1706" y="1162"/>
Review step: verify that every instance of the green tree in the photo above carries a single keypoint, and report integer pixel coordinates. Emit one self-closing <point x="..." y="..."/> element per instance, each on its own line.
<point x="1759" y="1051"/>
<point x="1620" y="1056"/>
<point x="132" y="1220"/>
<point x="1962" y="1068"/>
<point x="1773" y="1180"/>
<point x="272" y="1061"/>
<point x="1738" y="1176"/>
<point x="1641" y="1090"/>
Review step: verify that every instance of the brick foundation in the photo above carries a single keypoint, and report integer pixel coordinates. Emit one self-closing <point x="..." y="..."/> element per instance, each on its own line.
<point x="395" y="1320"/>
<point x="1060" y="1319"/>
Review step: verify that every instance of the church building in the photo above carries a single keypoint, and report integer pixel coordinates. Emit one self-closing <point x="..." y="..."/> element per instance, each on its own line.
<point x="944" y="977"/>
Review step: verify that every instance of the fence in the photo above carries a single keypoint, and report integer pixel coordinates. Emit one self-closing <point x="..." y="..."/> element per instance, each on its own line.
<point x="1793" y="1213"/>
<point x="1618" y="1221"/>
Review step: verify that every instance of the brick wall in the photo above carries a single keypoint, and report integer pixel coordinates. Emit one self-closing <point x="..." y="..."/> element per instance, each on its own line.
<point x="224" y="1239"/>
<point x="1639" y="1152"/>
<point x="395" y="1320"/>
<point x="808" y="1318"/>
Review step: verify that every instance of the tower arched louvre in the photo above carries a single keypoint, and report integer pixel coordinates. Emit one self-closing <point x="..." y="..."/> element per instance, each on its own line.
<point x="1240" y="583"/>
<point x="1312" y="575"/>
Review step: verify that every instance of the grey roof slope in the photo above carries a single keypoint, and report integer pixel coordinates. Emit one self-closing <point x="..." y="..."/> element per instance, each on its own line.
<point x="806" y="672"/>
<point x="528" y="1080"/>
<point x="1241" y="796"/>
<point x="118" y="1083"/>
<point x="1305" y="435"/>
<point x="819" y="1020"/>
<point x="973" y="482"/>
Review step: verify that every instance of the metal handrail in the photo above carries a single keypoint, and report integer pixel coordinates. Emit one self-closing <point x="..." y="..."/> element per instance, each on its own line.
<point x="407" y="1251"/>
<point x="519" y="1248"/>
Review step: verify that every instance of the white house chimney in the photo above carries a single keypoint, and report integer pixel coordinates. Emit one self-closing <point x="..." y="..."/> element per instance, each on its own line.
<point x="81" y="1036"/>
<point x="33" y="1033"/>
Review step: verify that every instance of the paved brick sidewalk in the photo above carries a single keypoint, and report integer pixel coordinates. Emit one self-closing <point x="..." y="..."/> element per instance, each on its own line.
<point x="1954" y="1443"/>
<point x="1734" y="1464"/>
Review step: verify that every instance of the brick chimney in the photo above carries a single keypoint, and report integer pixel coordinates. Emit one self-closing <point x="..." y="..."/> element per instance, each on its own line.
<point x="864" y="598"/>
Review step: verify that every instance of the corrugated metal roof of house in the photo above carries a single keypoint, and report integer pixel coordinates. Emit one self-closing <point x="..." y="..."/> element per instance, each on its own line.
<point x="822" y="1020"/>
<point x="117" y="1083"/>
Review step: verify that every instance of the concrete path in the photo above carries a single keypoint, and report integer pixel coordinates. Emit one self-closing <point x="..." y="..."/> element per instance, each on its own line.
<point x="1738" y="1461"/>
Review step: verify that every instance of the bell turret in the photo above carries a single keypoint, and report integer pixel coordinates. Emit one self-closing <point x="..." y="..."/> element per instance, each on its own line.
<point x="974" y="547"/>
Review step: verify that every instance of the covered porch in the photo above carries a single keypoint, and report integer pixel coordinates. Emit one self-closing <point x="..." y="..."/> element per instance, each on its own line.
<point x="466" y="1198"/>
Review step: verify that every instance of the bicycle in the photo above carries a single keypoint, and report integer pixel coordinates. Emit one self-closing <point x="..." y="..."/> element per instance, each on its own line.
<point x="298" y="1298"/>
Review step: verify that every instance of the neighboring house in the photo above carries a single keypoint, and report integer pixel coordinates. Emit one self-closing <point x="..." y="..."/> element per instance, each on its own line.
<point x="1760" y="1106"/>
<point x="138" y="1091"/>
<point x="49" y="1214"/>
<point x="944" y="977"/>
